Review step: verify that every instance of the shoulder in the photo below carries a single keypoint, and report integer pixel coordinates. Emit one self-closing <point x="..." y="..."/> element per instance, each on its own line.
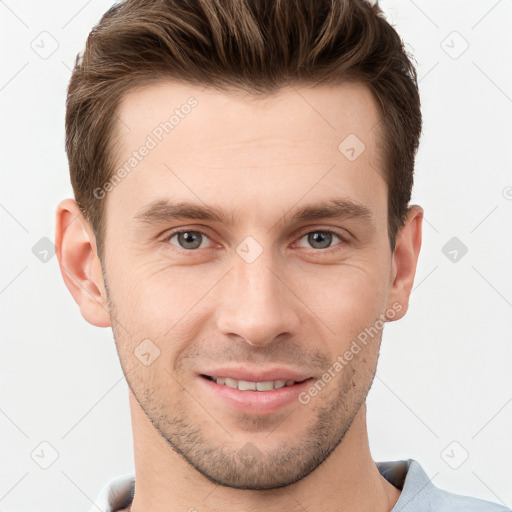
<point x="419" y="494"/>
<point x="116" y="495"/>
<point x="442" y="501"/>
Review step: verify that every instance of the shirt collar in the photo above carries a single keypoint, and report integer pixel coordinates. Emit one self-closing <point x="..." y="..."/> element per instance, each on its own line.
<point x="406" y="475"/>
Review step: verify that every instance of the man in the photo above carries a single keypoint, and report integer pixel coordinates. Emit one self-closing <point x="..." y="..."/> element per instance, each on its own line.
<point x="242" y="173"/>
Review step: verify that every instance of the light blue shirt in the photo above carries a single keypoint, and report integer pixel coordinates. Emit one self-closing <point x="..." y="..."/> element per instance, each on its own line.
<point x="418" y="494"/>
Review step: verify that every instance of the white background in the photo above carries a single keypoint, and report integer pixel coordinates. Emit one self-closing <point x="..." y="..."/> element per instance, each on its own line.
<point x="444" y="373"/>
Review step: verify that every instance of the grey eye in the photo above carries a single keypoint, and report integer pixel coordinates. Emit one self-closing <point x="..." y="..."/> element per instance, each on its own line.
<point x="320" y="239"/>
<point x="189" y="239"/>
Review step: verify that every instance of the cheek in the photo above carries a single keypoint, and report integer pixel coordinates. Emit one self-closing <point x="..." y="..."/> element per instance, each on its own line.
<point x="151" y="291"/>
<point x="347" y="298"/>
<point x="163" y="304"/>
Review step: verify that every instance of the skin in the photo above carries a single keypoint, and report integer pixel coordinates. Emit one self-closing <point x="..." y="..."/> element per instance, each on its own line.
<point x="297" y="305"/>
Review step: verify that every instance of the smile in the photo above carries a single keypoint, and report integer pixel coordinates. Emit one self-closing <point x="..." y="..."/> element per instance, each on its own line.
<point x="244" y="385"/>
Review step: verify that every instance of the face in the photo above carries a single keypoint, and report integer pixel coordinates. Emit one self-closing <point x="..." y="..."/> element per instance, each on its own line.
<point x="246" y="245"/>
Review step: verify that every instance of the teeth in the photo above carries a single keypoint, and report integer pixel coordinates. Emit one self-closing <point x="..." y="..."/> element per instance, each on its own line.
<point x="232" y="383"/>
<point x="245" y="385"/>
<point x="265" y="386"/>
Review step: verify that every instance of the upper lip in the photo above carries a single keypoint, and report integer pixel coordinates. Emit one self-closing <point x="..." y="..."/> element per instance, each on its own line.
<point x="259" y="375"/>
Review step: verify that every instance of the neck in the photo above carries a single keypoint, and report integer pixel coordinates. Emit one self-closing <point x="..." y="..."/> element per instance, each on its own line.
<point x="347" y="480"/>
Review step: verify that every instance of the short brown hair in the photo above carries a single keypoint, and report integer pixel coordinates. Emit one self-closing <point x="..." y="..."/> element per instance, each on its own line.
<point x="256" y="46"/>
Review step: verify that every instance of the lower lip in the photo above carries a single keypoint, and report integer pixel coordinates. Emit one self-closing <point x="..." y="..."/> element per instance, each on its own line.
<point x="255" y="402"/>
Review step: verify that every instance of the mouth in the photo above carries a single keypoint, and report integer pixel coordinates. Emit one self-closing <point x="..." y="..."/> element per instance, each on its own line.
<point x="245" y="385"/>
<point x="255" y="391"/>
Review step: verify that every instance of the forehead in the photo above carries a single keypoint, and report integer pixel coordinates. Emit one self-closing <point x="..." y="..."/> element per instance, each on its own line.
<point x="294" y="113"/>
<point x="193" y="143"/>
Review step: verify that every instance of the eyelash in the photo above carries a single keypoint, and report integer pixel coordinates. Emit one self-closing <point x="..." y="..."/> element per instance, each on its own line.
<point x="343" y="240"/>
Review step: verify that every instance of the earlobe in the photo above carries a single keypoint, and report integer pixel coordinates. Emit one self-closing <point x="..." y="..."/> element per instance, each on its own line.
<point x="404" y="261"/>
<point x="80" y="266"/>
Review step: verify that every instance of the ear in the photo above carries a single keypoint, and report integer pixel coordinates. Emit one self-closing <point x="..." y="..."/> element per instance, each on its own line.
<point x="75" y="247"/>
<point x="404" y="260"/>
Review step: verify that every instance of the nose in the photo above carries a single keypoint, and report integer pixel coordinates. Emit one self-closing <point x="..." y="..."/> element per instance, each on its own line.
<point x="258" y="302"/>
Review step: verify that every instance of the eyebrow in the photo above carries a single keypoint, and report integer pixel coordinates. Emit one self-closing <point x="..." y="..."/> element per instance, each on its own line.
<point x="164" y="210"/>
